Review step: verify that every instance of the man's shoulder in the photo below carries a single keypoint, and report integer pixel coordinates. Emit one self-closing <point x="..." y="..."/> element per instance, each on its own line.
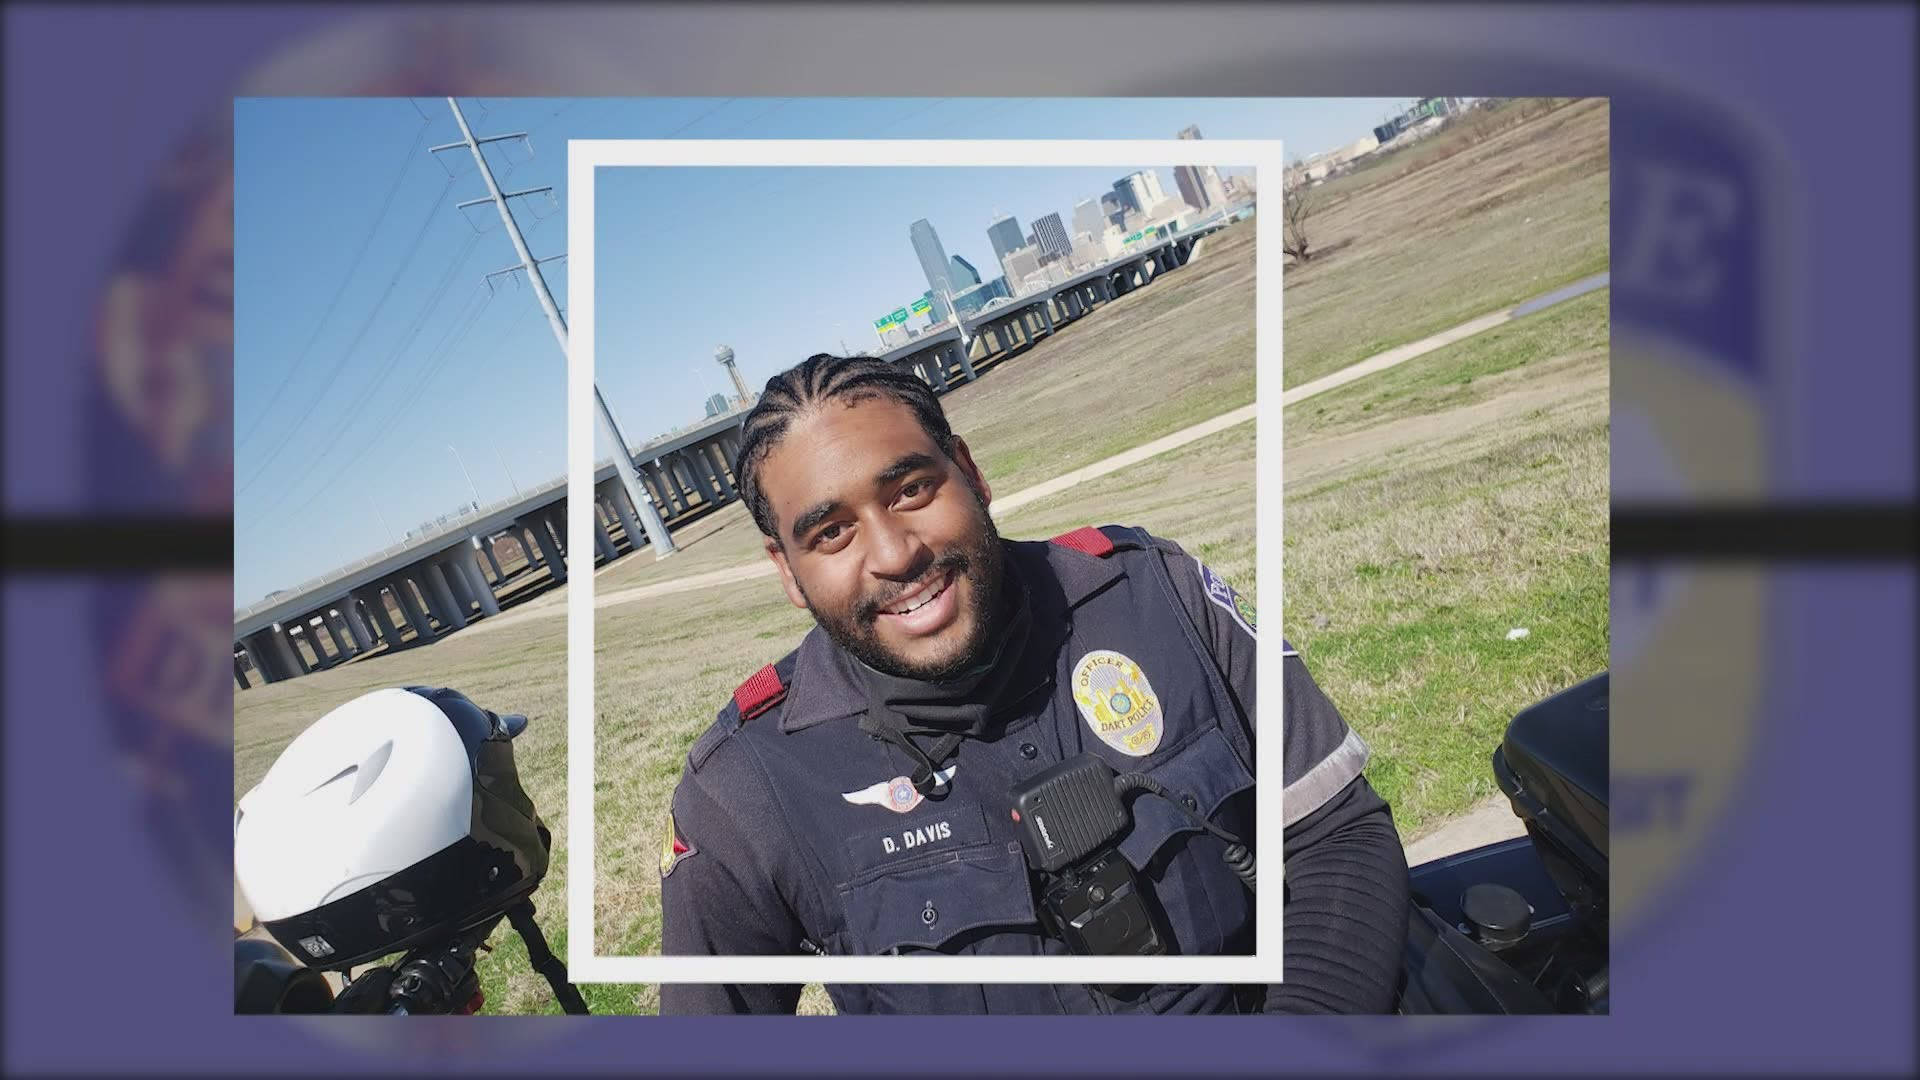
<point x="758" y="701"/>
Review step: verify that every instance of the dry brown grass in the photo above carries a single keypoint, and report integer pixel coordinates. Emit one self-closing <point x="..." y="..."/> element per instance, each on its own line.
<point x="1408" y="255"/>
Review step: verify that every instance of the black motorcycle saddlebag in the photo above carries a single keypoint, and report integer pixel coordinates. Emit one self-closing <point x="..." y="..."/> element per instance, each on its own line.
<point x="1552" y="766"/>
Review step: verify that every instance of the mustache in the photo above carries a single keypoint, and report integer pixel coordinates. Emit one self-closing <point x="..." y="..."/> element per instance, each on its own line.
<point x="953" y="561"/>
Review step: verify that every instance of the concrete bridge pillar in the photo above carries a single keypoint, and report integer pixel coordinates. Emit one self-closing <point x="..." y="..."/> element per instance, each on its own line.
<point x="960" y="357"/>
<point x="451" y="608"/>
<point x="651" y="485"/>
<point x="468" y="560"/>
<point x="250" y="645"/>
<point x="713" y="453"/>
<point x="936" y="369"/>
<point x="342" y="633"/>
<point x="671" y="497"/>
<point x="377" y="609"/>
<point x="702" y="474"/>
<point x="310" y="629"/>
<point x="357" y="626"/>
<point x="549" y="552"/>
<point x="288" y="653"/>
<point x="629" y="518"/>
<point x="493" y="560"/>
<point x="1046" y="313"/>
<point x="683" y="478"/>
<point x="602" y="543"/>
<point x="411" y="606"/>
<point x="240" y="673"/>
<point x="529" y="550"/>
<point x="457" y="582"/>
<point x="263" y="648"/>
<point x="272" y="657"/>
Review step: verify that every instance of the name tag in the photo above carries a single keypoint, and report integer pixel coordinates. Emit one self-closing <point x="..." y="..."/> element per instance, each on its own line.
<point x="933" y="826"/>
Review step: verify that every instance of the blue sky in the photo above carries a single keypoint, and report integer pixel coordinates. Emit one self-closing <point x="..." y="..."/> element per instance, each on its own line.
<point x="371" y="362"/>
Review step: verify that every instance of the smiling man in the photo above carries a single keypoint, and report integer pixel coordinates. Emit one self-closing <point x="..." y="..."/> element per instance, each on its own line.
<point x="853" y="798"/>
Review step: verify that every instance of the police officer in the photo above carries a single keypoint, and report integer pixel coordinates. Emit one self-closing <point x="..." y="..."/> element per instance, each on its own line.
<point x="850" y="799"/>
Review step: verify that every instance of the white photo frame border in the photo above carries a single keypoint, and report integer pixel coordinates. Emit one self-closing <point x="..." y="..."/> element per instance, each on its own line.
<point x="585" y="157"/>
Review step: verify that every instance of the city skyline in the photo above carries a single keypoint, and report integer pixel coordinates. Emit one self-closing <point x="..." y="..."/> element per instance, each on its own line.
<point x="373" y="354"/>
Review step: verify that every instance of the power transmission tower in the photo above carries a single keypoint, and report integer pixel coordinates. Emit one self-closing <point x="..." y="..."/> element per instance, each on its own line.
<point x="655" y="528"/>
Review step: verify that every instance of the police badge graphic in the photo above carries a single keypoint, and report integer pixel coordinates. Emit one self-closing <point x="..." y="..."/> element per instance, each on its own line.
<point x="1118" y="703"/>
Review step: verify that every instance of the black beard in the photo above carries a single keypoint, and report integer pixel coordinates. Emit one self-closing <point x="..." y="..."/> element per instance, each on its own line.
<point x="979" y="563"/>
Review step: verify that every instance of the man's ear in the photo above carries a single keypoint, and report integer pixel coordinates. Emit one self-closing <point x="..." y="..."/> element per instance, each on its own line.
<point x="779" y="557"/>
<point x="963" y="457"/>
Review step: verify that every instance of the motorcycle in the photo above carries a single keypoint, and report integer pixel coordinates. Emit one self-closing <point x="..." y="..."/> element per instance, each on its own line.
<point x="394" y="825"/>
<point x="1520" y="926"/>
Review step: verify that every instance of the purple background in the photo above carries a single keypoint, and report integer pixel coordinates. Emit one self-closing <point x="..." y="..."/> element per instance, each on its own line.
<point x="1786" y="944"/>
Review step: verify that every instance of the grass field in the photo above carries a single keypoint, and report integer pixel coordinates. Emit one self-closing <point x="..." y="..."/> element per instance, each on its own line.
<point x="1409" y="253"/>
<point x="1418" y="533"/>
<point x="1429" y="509"/>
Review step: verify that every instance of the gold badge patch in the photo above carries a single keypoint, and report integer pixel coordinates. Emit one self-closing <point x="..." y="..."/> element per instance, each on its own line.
<point x="1118" y="702"/>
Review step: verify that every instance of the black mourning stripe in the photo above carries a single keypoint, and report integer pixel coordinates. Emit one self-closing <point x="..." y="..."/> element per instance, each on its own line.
<point x="107" y="544"/>
<point x="1822" y="532"/>
<point x="1811" y="532"/>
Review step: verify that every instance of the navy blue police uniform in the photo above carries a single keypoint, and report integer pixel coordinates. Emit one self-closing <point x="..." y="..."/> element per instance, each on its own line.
<point x="794" y="830"/>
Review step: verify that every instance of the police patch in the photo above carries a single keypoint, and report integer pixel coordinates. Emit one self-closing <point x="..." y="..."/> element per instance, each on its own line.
<point x="1227" y="599"/>
<point x="673" y="847"/>
<point x="1118" y="702"/>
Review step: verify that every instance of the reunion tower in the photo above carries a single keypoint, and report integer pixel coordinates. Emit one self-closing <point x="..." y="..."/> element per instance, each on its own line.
<point x="724" y="357"/>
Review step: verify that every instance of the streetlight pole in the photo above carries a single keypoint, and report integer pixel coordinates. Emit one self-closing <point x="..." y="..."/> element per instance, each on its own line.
<point x="383" y="521"/>
<point x="503" y="468"/>
<point x="468" y="475"/>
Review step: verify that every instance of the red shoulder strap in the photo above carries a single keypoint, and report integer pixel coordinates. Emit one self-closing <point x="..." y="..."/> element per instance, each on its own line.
<point x="759" y="693"/>
<point x="1086" y="538"/>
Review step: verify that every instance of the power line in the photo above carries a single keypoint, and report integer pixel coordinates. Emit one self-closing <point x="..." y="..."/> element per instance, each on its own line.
<point x="407" y="338"/>
<point x="911" y="113"/>
<point x="757" y="117"/>
<point x="385" y="295"/>
<point x="723" y="104"/>
<point x="353" y="268"/>
<point x="401" y="404"/>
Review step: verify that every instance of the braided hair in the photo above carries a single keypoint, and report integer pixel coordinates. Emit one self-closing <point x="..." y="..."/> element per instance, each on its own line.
<point x="814" y="382"/>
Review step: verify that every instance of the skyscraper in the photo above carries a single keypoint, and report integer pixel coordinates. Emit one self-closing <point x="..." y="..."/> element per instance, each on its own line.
<point x="1200" y="185"/>
<point x="1087" y="217"/>
<point x="1005" y="235"/>
<point x="933" y="257"/>
<point x="1124" y="194"/>
<point x="1149" y="180"/>
<point x="962" y="274"/>
<point x="1020" y="264"/>
<point x="1052" y="236"/>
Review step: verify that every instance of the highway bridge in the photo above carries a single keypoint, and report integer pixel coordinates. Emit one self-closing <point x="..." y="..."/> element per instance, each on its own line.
<point x="449" y="576"/>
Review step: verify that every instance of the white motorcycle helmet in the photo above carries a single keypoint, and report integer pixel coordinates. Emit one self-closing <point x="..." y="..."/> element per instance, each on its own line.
<point x="396" y="818"/>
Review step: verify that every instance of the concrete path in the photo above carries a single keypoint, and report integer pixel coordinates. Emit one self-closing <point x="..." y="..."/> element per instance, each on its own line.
<point x="552" y="605"/>
<point x="1490" y="821"/>
<point x="1400" y="355"/>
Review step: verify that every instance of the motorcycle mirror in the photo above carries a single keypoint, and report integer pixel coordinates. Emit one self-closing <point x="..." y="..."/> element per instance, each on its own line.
<point x="513" y="724"/>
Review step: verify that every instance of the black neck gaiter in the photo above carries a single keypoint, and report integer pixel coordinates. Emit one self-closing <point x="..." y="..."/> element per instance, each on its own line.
<point x="928" y="720"/>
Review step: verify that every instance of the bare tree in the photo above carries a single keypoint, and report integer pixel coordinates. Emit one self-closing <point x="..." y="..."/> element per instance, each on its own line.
<point x="1296" y="207"/>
